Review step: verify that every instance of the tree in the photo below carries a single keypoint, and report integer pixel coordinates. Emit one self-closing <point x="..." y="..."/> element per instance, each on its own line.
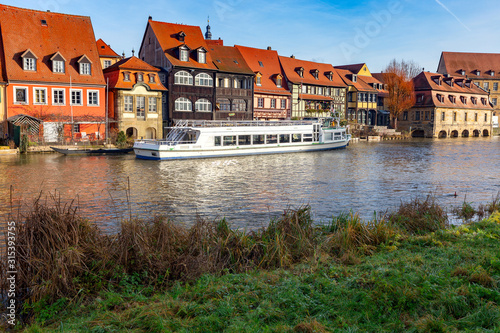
<point x="398" y="76"/>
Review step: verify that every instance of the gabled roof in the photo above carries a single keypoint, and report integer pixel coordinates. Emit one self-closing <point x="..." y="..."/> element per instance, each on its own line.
<point x="454" y="62"/>
<point x="353" y="68"/>
<point x="168" y="37"/>
<point x="425" y="81"/>
<point x="132" y="64"/>
<point x="45" y="33"/>
<point x="105" y="50"/>
<point x="290" y="66"/>
<point x="270" y="67"/>
<point x="228" y="59"/>
<point x="360" y="84"/>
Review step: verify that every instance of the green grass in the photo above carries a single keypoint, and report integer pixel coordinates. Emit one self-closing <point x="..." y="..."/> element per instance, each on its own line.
<point x="442" y="281"/>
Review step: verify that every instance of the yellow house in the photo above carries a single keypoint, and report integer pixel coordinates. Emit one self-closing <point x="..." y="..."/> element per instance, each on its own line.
<point x="107" y="56"/>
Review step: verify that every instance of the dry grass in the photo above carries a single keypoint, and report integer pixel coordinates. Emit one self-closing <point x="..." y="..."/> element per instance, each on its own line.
<point x="420" y="216"/>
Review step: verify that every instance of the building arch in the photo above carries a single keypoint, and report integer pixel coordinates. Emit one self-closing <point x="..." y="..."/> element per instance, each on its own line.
<point x="476" y="133"/>
<point x="418" y="133"/>
<point x="372" y="118"/>
<point x="183" y="104"/>
<point x="183" y="77"/>
<point x="223" y="104"/>
<point x="465" y="133"/>
<point x="131" y="132"/>
<point x="442" y="135"/>
<point x="362" y="115"/>
<point x="203" y="80"/>
<point x="454" y="134"/>
<point x="203" y="105"/>
<point x="486" y="132"/>
<point x="150" y="133"/>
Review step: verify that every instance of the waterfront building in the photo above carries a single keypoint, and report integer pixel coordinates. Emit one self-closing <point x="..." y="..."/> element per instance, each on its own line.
<point x="107" y="56"/>
<point x="315" y="88"/>
<point x="55" y="85"/>
<point x="186" y="69"/>
<point x="134" y="97"/>
<point x="383" y="112"/>
<point x="482" y="68"/>
<point x="362" y="94"/>
<point x="447" y="106"/>
<point x="233" y="82"/>
<point x="272" y="99"/>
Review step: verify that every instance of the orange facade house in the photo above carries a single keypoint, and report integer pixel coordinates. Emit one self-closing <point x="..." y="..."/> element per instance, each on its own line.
<point x="135" y="98"/>
<point x="51" y="65"/>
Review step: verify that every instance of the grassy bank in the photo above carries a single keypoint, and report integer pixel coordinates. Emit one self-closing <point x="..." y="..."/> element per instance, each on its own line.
<point x="408" y="271"/>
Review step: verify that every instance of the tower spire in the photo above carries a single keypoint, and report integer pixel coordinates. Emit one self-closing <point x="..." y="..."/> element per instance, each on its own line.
<point x="208" y="34"/>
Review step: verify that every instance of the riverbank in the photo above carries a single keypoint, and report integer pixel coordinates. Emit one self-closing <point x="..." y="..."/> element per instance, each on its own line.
<point x="408" y="271"/>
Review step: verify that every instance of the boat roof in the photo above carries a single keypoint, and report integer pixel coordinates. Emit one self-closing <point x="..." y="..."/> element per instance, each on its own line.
<point x="241" y="123"/>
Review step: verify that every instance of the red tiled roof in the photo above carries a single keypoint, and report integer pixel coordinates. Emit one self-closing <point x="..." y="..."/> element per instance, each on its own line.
<point x="134" y="65"/>
<point x="454" y="62"/>
<point x="229" y="59"/>
<point x="315" y="97"/>
<point x="425" y="84"/>
<point x="269" y="69"/>
<point x="210" y="42"/>
<point x="360" y="84"/>
<point x="45" y="33"/>
<point x="167" y="33"/>
<point x="353" y="68"/>
<point x="105" y="50"/>
<point x="290" y="66"/>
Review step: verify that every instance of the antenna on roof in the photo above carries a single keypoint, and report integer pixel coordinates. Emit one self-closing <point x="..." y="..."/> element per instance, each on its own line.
<point x="123" y="55"/>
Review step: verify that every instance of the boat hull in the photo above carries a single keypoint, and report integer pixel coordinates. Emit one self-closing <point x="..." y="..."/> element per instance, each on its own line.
<point x="152" y="153"/>
<point x="110" y="151"/>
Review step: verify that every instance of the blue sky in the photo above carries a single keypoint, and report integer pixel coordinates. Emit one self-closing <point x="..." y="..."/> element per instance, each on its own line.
<point x="336" y="32"/>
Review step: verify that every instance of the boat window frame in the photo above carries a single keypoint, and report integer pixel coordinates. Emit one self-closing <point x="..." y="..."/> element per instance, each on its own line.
<point x="247" y="142"/>
<point x="271" y="139"/>
<point x="283" y="135"/>
<point x="295" y="140"/>
<point x="259" y="142"/>
<point x="217" y="141"/>
<point x="227" y="143"/>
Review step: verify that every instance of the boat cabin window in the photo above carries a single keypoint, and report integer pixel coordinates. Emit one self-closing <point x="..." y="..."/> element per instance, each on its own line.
<point x="284" y="138"/>
<point x="338" y="135"/>
<point x="308" y="138"/>
<point x="244" y="140"/>
<point x="217" y="141"/>
<point x="230" y="140"/>
<point x="296" y="137"/>
<point x="328" y="136"/>
<point x="258" y="139"/>
<point x="271" y="138"/>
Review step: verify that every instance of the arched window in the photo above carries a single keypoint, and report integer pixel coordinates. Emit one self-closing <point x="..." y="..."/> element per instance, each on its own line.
<point x="203" y="79"/>
<point x="224" y="104"/>
<point x="239" y="105"/>
<point x="183" y="104"/>
<point x="183" y="77"/>
<point x="203" y="105"/>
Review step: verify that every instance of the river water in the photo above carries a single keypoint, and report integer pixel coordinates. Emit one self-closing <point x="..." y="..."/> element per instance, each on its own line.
<point x="250" y="190"/>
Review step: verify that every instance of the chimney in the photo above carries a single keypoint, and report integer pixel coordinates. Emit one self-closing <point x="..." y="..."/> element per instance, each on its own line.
<point x="150" y="17"/>
<point x="292" y="56"/>
<point x="269" y="48"/>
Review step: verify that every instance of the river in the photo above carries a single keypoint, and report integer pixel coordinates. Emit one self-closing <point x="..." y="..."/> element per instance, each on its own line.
<point x="250" y="190"/>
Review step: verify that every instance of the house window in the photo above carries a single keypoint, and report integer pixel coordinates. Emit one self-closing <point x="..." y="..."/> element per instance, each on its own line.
<point x="202" y="59"/>
<point x="417" y="115"/>
<point x="224" y="104"/>
<point x="76" y="97"/>
<point x="405" y="115"/>
<point x="40" y="95"/>
<point x="475" y="117"/>
<point x="93" y="97"/>
<point x="162" y="78"/>
<point x="278" y="82"/>
<point x="485" y="117"/>
<point x="126" y="76"/>
<point x="443" y="116"/>
<point x="258" y="80"/>
<point x="58" y="97"/>
<point x="58" y="66"/>
<point x="29" y="64"/>
<point x="420" y="98"/>
<point x="283" y="103"/>
<point x="463" y="99"/>
<point x="320" y="90"/>
<point x="21" y="95"/>
<point x="203" y="105"/>
<point x="152" y="78"/>
<point x="494" y="101"/>
<point x="440" y="98"/>
<point x="473" y="100"/>
<point x="260" y="102"/>
<point x="239" y="105"/>
<point x="486" y="85"/>
<point x="495" y="86"/>
<point x="273" y="103"/>
<point x="84" y="68"/>
<point x="304" y="89"/>
<point x="455" y="116"/>
<point x="183" y="104"/>
<point x="128" y="102"/>
<point x="183" y="55"/>
<point x="152" y="104"/>
<point x="140" y="105"/>
<point x="107" y="63"/>
<point x="452" y="98"/>
<point x="465" y="116"/>
<point x="483" y="101"/>
<point x="76" y="128"/>
<point x="183" y="77"/>
<point x="204" y="80"/>
<point x="427" y="115"/>
<point x="140" y="77"/>
<point x="261" y="64"/>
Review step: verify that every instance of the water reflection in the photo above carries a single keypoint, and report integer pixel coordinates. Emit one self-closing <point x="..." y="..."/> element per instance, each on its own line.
<point x="249" y="190"/>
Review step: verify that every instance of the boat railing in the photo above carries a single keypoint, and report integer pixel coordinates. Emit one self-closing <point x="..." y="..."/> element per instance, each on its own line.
<point x="237" y="123"/>
<point x="166" y="142"/>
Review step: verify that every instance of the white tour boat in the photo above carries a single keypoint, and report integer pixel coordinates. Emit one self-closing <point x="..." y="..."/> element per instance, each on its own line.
<point x="213" y="138"/>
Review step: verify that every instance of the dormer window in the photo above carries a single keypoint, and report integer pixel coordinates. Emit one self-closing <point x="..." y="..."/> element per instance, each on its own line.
<point x="126" y="76"/>
<point x="140" y="77"/>
<point x="354" y="78"/>
<point x="452" y="99"/>
<point x="58" y="62"/>
<point x="477" y="72"/>
<point x="258" y="79"/>
<point x="84" y="63"/>
<point x="463" y="99"/>
<point x="261" y="64"/>
<point x="183" y="53"/>
<point x="329" y="75"/>
<point x="202" y="55"/>
<point x="315" y="74"/>
<point x="152" y="78"/>
<point x="462" y="72"/>
<point x="420" y="98"/>
<point x="180" y="36"/>
<point x="29" y="60"/>
<point x="279" y="78"/>
<point x="483" y="101"/>
<point x="473" y="100"/>
<point x="440" y="98"/>
<point x="467" y="83"/>
<point x="437" y="80"/>
<point x="300" y="71"/>
<point x="492" y="73"/>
